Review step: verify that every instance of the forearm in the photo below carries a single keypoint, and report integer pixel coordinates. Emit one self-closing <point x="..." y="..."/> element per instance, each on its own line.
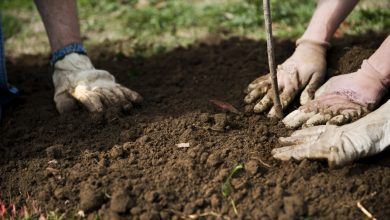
<point x="326" y="19"/>
<point x="61" y="22"/>
<point x="380" y="59"/>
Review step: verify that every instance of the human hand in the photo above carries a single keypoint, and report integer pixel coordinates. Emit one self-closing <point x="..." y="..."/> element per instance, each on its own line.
<point x="339" y="145"/>
<point x="304" y="70"/>
<point x="341" y="99"/>
<point x="75" y="79"/>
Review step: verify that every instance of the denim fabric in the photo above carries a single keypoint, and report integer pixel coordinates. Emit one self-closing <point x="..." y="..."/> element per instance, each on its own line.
<point x="7" y="91"/>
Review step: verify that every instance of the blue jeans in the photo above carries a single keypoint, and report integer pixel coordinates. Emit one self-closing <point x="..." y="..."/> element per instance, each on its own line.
<point x="7" y="91"/>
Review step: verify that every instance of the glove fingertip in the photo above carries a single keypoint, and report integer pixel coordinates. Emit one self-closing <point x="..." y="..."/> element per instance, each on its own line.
<point x="65" y="103"/>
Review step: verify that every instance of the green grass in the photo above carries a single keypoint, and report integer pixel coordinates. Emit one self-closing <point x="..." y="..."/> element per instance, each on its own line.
<point x="160" y="25"/>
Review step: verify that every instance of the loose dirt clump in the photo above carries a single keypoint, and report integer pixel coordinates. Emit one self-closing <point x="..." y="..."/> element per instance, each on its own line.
<point x="123" y="165"/>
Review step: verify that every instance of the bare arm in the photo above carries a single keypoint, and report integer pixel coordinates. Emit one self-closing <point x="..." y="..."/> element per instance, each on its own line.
<point x="327" y="17"/>
<point x="61" y="22"/>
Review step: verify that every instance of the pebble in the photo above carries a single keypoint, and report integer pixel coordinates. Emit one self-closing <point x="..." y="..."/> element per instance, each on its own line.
<point x="252" y="167"/>
<point x="221" y="121"/>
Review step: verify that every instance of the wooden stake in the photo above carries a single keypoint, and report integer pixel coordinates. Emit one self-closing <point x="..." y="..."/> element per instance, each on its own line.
<point x="271" y="58"/>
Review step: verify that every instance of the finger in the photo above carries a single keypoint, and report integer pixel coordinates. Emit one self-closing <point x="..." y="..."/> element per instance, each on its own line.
<point x="110" y="96"/>
<point x="335" y="159"/>
<point x="131" y="95"/>
<point x="301" y="152"/>
<point x="295" y="140"/>
<point x="119" y="94"/>
<point x="89" y="99"/>
<point x="308" y="93"/>
<point x="297" y="118"/>
<point x="263" y="105"/>
<point x="316" y="130"/>
<point x="253" y="95"/>
<point x="285" y="99"/>
<point x="280" y="150"/>
<point x="64" y="102"/>
<point x="261" y="80"/>
<point x="339" y="119"/>
<point x="318" y="119"/>
<point x="100" y="92"/>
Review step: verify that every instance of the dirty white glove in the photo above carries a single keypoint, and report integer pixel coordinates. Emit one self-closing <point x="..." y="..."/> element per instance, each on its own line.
<point x="304" y="70"/>
<point x="339" y="145"/>
<point x="342" y="98"/>
<point x="75" y="79"/>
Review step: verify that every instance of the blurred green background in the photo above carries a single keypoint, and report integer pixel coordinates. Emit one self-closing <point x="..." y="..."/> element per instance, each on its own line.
<point x="148" y="27"/>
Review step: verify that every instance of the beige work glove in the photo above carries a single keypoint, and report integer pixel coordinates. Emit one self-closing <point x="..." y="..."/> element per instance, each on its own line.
<point x="304" y="70"/>
<point x="75" y="79"/>
<point x="342" y="99"/>
<point x="340" y="145"/>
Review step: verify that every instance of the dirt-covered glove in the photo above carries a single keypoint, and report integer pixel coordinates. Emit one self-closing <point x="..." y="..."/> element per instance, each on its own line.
<point x="304" y="70"/>
<point x="75" y="79"/>
<point x="342" y="99"/>
<point x="340" y="145"/>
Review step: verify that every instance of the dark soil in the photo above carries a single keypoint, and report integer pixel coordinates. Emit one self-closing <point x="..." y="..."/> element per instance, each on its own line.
<point x="127" y="165"/>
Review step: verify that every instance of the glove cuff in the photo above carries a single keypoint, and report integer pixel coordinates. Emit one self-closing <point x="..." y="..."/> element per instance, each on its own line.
<point x="71" y="48"/>
<point x="366" y="65"/>
<point x="322" y="44"/>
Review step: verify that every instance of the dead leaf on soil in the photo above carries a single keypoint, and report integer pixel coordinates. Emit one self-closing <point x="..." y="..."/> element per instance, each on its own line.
<point x="225" y="106"/>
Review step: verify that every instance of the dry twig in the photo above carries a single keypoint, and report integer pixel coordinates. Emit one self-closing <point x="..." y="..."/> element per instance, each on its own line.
<point x="365" y="211"/>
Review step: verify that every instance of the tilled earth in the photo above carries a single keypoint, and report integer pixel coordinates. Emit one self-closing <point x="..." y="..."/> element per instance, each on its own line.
<point x="127" y="165"/>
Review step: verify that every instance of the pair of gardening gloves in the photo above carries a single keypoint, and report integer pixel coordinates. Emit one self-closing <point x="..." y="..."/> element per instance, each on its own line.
<point x="340" y="100"/>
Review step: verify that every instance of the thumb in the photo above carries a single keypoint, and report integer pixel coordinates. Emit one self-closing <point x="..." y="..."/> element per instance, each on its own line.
<point x="64" y="102"/>
<point x="309" y="92"/>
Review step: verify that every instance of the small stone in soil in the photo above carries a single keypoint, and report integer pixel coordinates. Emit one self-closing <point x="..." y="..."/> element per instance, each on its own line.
<point x="221" y="121"/>
<point x="252" y="167"/>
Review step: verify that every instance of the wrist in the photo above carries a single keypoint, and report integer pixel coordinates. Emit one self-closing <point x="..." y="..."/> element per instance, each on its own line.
<point x="71" y="48"/>
<point x="306" y="46"/>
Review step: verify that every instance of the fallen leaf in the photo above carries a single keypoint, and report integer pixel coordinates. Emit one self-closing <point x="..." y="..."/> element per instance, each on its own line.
<point x="225" y="106"/>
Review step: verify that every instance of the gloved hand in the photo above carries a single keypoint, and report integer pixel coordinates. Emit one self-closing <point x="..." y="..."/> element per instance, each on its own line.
<point x="75" y="79"/>
<point x="342" y="99"/>
<point x="304" y="70"/>
<point x="340" y="145"/>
